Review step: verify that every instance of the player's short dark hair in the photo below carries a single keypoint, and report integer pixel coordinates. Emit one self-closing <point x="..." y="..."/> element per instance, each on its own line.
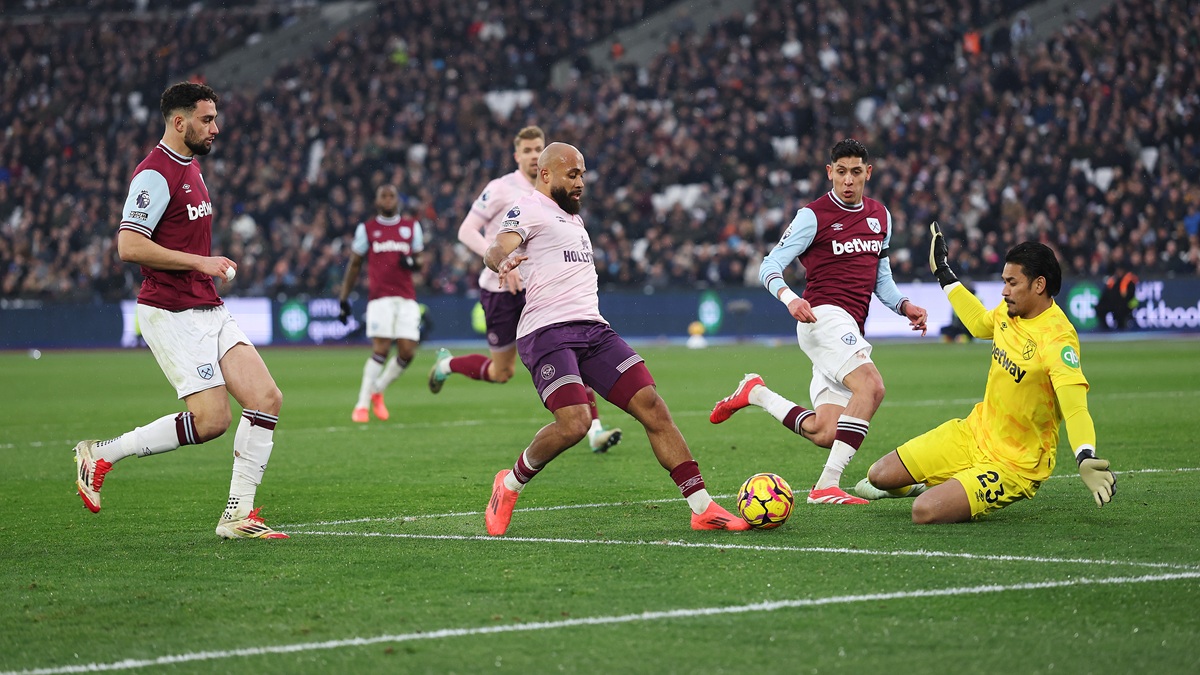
<point x="184" y="96"/>
<point x="1037" y="260"/>
<point x="529" y="134"/>
<point x="848" y="147"/>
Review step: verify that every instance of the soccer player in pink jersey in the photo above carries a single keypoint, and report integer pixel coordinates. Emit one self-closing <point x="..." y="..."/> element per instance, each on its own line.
<point x="841" y="238"/>
<point x="166" y="228"/>
<point x="567" y="345"/>
<point x="391" y="244"/>
<point x="502" y="302"/>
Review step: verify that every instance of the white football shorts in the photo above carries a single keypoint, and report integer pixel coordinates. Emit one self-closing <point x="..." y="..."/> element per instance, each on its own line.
<point x="394" y="318"/>
<point x="835" y="346"/>
<point x="190" y="344"/>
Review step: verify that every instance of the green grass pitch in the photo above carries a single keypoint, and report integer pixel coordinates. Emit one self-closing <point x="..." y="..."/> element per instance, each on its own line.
<point x="389" y="568"/>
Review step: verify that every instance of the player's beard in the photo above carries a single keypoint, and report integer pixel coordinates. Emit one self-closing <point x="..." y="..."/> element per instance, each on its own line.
<point x="195" y="143"/>
<point x="562" y="197"/>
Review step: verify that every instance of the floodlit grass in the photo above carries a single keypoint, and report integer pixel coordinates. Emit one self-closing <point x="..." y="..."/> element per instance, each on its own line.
<point x="599" y="571"/>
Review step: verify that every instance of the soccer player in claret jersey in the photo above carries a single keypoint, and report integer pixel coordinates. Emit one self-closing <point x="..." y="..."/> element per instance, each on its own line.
<point x="166" y="227"/>
<point x="391" y="244"/>
<point x="565" y="342"/>
<point x="842" y="240"/>
<point x="503" y="302"/>
<point x="1006" y="447"/>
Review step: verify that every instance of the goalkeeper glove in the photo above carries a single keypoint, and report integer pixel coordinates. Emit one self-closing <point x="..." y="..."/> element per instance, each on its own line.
<point x="938" y="252"/>
<point x="1095" y="474"/>
<point x="344" y="314"/>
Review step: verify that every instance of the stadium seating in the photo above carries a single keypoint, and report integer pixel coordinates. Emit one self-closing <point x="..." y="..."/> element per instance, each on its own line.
<point x="1088" y="141"/>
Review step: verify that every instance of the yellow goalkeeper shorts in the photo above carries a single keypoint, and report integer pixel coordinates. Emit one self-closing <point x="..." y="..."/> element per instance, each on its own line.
<point x="949" y="451"/>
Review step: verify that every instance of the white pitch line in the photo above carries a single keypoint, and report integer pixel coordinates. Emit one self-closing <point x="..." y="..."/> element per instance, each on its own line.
<point x="766" y="606"/>
<point x="600" y="505"/>
<point x="728" y="545"/>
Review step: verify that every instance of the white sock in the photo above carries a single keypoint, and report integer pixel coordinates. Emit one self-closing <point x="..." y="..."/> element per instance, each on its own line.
<point x="390" y="373"/>
<point x="371" y="372"/>
<point x="511" y="482"/>
<point x="252" y="444"/>
<point x="776" y="405"/>
<point x="596" y="426"/>
<point x="839" y="458"/>
<point x="155" y="438"/>
<point x="699" y="501"/>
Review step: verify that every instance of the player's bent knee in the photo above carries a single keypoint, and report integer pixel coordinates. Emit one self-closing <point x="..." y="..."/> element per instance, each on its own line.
<point x="575" y="429"/>
<point x="212" y="425"/>
<point x="930" y="510"/>
<point x="823" y="437"/>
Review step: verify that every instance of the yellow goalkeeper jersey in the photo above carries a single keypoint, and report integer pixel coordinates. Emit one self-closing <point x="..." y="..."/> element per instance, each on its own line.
<point x="1018" y="420"/>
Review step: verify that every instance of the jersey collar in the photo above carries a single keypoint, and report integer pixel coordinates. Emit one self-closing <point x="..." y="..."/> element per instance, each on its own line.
<point x="175" y="155"/>
<point x="846" y="207"/>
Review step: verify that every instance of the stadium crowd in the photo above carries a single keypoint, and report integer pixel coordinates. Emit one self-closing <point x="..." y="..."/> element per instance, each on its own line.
<point x="1088" y="142"/>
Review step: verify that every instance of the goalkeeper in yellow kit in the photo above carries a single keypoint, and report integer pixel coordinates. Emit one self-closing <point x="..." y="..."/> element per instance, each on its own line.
<point x="1006" y="447"/>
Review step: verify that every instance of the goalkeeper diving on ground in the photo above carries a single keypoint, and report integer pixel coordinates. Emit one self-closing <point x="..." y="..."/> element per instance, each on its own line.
<point x="1005" y="448"/>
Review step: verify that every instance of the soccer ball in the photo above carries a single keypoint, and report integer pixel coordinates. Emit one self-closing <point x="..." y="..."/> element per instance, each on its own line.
<point x="765" y="500"/>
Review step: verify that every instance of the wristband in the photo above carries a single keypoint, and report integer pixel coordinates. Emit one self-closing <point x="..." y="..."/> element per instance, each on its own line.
<point x="1084" y="452"/>
<point x="787" y="296"/>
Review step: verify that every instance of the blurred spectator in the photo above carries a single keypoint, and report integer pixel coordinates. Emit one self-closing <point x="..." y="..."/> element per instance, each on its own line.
<point x="1118" y="299"/>
<point x="1087" y="141"/>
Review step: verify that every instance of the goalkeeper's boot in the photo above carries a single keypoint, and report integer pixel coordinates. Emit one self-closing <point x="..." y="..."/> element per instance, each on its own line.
<point x="251" y="526"/>
<point x="360" y="415"/>
<point x="378" y="407"/>
<point x="865" y="490"/>
<point x="833" y="495"/>
<point x="500" y="508"/>
<point x="602" y="438"/>
<point x="440" y="371"/>
<point x="717" y="518"/>
<point x="90" y="475"/>
<point x="740" y="398"/>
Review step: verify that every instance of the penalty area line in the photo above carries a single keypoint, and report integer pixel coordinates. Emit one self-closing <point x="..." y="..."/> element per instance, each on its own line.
<point x="663" y="615"/>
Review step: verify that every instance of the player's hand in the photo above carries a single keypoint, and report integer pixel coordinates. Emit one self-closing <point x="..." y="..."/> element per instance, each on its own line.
<point x="509" y="264"/>
<point x="345" y="311"/>
<point x="917" y="317"/>
<point x="1096" y="476"/>
<point x="802" y="311"/>
<point x="513" y="283"/>
<point x="939" y="253"/>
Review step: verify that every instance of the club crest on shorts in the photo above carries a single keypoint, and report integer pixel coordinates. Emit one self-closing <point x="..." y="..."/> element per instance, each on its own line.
<point x="850" y="338"/>
<point x="547" y="371"/>
<point x="205" y="371"/>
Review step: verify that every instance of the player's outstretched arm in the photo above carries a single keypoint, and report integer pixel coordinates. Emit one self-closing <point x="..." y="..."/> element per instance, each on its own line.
<point x="497" y="256"/>
<point x="1081" y="431"/>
